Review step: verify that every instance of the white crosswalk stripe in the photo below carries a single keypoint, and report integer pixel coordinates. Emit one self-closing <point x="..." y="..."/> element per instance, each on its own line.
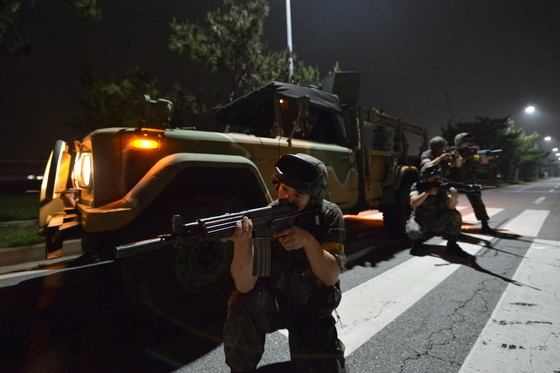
<point x="471" y="218"/>
<point x="385" y="297"/>
<point x="523" y="334"/>
<point x="367" y="308"/>
<point x="528" y="223"/>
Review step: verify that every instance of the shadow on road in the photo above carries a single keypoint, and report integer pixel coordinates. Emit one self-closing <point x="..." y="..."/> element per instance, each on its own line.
<point x="81" y="320"/>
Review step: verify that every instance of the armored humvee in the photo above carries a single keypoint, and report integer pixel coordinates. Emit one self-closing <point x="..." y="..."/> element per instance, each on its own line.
<point x="121" y="185"/>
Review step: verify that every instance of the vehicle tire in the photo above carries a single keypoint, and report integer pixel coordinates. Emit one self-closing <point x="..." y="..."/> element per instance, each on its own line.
<point x="396" y="216"/>
<point x="188" y="285"/>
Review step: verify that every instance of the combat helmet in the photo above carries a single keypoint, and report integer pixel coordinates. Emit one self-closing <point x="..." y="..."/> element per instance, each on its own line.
<point x="430" y="170"/>
<point x="437" y="142"/>
<point x="304" y="173"/>
<point x="463" y="137"/>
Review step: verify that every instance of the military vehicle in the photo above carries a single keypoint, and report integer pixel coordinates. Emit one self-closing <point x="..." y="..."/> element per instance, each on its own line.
<point x="121" y="185"/>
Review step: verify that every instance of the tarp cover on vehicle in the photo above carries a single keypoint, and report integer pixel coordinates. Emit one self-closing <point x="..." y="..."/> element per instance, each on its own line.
<point x="326" y="101"/>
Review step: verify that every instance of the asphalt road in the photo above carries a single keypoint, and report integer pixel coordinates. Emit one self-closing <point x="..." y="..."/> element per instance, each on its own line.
<point x="496" y="311"/>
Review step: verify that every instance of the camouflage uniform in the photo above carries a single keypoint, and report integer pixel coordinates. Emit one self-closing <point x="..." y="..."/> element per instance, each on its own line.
<point x="429" y="155"/>
<point x="432" y="216"/>
<point x="293" y="298"/>
<point x="467" y="174"/>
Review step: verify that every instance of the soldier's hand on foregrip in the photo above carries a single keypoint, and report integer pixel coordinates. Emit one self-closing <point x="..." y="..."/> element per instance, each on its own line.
<point x="243" y="232"/>
<point x="453" y="192"/>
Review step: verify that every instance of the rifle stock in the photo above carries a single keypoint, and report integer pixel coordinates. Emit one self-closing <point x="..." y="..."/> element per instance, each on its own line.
<point x="266" y="221"/>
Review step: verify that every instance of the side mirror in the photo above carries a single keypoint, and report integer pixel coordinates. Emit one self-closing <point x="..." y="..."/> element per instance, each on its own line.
<point x="157" y="112"/>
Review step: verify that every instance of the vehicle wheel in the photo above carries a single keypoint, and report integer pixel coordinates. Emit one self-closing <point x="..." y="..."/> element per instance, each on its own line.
<point x="187" y="285"/>
<point x="396" y="216"/>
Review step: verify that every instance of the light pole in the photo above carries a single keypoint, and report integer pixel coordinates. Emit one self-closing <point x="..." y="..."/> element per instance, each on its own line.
<point x="289" y="28"/>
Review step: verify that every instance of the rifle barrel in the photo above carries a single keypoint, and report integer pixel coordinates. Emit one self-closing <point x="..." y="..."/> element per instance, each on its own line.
<point x="139" y="247"/>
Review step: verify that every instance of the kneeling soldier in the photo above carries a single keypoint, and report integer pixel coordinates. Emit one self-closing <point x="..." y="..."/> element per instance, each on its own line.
<point x="434" y="210"/>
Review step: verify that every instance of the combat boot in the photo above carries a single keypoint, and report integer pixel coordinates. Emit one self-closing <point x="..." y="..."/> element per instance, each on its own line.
<point x="417" y="248"/>
<point x="454" y="248"/>
<point x="485" y="228"/>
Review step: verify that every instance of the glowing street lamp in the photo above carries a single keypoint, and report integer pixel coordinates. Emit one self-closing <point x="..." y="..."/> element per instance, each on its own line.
<point x="530" y="109"/>
<point x="548" y="138"/>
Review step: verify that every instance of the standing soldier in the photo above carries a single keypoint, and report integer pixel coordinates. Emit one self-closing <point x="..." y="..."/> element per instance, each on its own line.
<point x="302" y="289"/>
<point x="437" y="155"/>
<point x="433" y="210"/>
<point x="466" y="173"/>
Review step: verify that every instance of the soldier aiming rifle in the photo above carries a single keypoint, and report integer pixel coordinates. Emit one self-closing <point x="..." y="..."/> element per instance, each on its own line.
<point x="302" y="289"/>
<point x="467" y="173"/>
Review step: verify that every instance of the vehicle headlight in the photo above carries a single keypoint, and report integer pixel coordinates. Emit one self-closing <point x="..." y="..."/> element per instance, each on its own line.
<point x="83" y="170"/>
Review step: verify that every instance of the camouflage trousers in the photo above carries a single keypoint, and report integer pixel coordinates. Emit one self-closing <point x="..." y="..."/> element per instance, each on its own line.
<point x="450" y="220"/>
<point x="478" y="207"/>
<point x="314" y="343"/>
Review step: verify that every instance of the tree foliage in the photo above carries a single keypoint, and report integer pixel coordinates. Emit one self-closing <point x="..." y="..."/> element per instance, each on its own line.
<point x="20" y="45"/>
<point x="115" y="103"/>
<point x="120" y="102"/>
<point x="229" y="40"/>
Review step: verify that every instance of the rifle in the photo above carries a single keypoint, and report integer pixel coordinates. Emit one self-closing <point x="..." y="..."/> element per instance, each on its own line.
<point x="463" y="188"/>
<point x="266" y="221"/>
<point x="464" y="151"/>
<point x="490" y="152"/>
<point x="467" y="151"/>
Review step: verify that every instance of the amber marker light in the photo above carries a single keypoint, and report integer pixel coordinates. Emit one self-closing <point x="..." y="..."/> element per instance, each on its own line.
<point x="145" y="144"/>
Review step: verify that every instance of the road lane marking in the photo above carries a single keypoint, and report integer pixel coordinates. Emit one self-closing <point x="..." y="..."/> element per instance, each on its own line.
<point x="528" y="223"/>
<point x="539" y="200"/>
<point x="369" y="307"/>
<point x="523" y="334"/>
<point x="491" y="211"/>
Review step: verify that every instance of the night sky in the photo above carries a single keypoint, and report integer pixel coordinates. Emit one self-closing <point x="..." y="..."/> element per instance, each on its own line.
<point x="493" y="58"/>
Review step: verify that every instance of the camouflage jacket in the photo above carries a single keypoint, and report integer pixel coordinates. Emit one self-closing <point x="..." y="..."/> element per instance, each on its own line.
<point x="291" y="276"/>
<point x="466" y="173"/>
<point x="432" y="206"/>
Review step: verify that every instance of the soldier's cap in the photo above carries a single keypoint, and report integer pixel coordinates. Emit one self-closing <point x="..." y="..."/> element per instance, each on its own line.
<point x="430" y="170"/>
<point x="302" y="172"/>
<point x="463" y="137"/>
<point x="437" y="142"/>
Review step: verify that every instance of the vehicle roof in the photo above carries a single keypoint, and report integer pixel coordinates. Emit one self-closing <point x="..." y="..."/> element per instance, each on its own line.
<point x="316" y="96"/>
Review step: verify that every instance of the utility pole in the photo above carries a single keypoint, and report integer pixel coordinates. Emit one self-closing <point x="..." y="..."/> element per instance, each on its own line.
<point x="449" y="106"/>
<point x="289" y="28"/>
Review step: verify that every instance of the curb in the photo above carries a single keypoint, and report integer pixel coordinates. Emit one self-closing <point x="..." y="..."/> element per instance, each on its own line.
<point x="20" y="258"/>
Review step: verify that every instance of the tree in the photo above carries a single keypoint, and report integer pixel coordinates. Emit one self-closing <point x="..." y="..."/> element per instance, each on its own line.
<point x="229" y="41"/>
<point x="20" y="45"/>
<point x="116" y="103"/>
<point x="120" y="102"/>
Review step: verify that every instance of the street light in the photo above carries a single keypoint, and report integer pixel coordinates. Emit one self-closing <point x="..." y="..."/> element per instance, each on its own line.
<point x="289" y="28"/>
<point x="530" y="109"/>
<point x="548" y="138"/>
